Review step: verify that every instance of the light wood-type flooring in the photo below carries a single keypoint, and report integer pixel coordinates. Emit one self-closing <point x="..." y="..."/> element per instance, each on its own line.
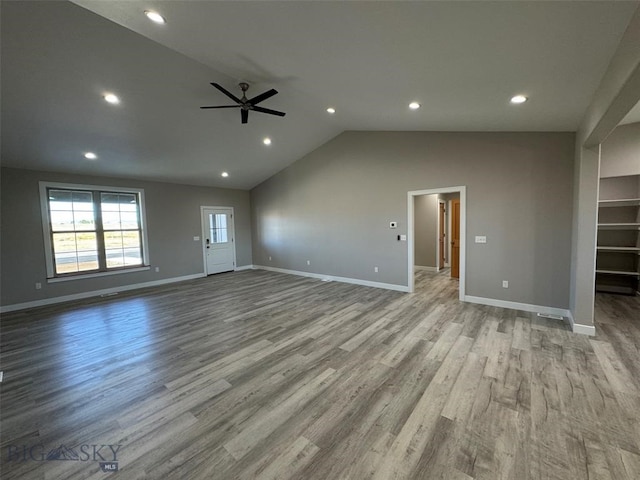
<point x="261" y="375"/>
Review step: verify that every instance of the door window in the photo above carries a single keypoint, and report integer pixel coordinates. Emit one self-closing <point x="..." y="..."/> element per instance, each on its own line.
<point x="218" y="228"/>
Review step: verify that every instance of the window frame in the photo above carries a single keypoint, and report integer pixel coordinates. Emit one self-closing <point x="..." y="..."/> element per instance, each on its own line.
<point x="47" y="230"/>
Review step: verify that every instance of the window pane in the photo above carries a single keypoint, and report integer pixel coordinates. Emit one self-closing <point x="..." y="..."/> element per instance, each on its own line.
<point x="64" y="242"/>
<point x="60" y="200"/>
<point x="61" y="220"/>
<point x="132" y="256"/>
<point x="66" y="262"/>
<point x="129" y="220"/>
<point x="127" y="201"/>
<point x="111" y="220"/>
<point x="83" y="201"/>
<point x="218" y="227"/>
<point x="75" y="252"/>
<point x="86" y="241"/>
<point x="131" y="239"/>
<point x="115" y="258"/>
<point x="83" y="220"/>
<point x="112" y="240"/>
<point x="88" y="260"/>
<point x="109" y="202"/>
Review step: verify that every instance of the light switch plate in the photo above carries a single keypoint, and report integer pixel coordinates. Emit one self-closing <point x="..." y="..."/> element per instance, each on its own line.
<point x="403" y="238"/>
<point x="481" y="239"/>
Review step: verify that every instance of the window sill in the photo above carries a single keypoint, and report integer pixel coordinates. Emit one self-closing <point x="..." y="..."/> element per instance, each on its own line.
<point x="97" y="274"/>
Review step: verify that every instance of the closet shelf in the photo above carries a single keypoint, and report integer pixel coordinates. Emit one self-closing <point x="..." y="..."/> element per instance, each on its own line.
<point x="620" y="249"/>
<point x="625" y="202"/>
<point x="619" y="272"/>
<point x="619" y="226"/>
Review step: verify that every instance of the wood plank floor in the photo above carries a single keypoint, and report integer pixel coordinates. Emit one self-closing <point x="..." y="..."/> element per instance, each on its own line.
<point x="260" y="375"/>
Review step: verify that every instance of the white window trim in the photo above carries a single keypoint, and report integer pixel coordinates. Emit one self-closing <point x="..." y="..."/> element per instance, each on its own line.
<point x="48" y="248"/>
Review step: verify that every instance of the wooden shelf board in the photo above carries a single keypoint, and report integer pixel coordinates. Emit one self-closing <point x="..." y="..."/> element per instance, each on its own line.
<point x="619" y="226"/>
<point x="623" y="202"/>
<point x="619" y="249"/>
<point x="619" y="272"/>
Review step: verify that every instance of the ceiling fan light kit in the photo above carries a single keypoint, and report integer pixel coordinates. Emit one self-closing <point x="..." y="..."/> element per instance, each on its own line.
<point x="247" y="104"/>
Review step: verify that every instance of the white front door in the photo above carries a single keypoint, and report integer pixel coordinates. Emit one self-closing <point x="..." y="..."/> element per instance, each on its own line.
<point x="218" y="239"/>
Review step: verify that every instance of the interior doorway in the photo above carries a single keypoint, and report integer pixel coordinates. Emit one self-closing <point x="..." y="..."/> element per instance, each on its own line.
<point x="460" y="232"/>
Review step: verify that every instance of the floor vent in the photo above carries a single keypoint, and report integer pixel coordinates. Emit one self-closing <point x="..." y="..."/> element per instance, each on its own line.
<point x="550" y="315"/>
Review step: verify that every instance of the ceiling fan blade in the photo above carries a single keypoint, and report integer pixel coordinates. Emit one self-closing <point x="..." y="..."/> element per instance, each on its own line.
<point x="226" y="92"/>
<point x="263" y="96"/>
<point x="223" y="106"/>
<point x="244" y="114"/>
<point x="269" y="111"/>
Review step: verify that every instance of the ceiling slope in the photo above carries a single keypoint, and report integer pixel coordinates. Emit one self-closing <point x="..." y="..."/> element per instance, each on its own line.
<point x="461" y="61"/>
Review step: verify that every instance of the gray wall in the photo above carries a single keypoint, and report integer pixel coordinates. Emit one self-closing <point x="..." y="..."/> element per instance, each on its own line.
<point x="620" y="154"/>
<point x="173" y="219"/>
<point x="333" y="208"/>
<point x="425" y="230"/>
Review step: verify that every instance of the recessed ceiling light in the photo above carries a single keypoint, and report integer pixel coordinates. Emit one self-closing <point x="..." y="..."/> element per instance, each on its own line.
<point x="155" y="17"/>
<point x="331" y="110"/>
<point x="519" y="99"/>
<point x="267" y="141"/>
<point x="111" y="98"/>
<point x="224" y="174"/>
<point x="414" y="105"/>
<point x="90" y="156"/>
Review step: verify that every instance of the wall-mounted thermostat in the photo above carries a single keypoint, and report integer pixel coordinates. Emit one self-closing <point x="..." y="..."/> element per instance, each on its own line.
<point x="393" y="224"/>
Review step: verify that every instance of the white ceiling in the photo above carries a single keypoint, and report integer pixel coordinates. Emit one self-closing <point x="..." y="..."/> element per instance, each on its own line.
<point x="461" y="60"/>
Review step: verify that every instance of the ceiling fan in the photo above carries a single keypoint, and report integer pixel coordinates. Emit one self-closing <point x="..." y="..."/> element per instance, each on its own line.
<point x="246" y="104"/>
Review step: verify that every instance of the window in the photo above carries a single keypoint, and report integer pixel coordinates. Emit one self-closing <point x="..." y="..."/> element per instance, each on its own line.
<point x="218" y="223"/>
<point x="91" y="229"/>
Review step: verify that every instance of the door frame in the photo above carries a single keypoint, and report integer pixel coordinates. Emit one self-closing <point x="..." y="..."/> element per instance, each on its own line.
<point x="440" y="266"/>
<point x="203" y="224"/>
<point x="462" y="190"/>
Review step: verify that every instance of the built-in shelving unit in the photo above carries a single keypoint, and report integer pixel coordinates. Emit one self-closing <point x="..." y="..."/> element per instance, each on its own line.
<point x="618" y="250"/>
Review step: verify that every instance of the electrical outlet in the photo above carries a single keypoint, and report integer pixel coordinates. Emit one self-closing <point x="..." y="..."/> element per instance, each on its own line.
<point x="196" y="239"/>
<point x="308" y="262"/>
<point x="375" y="269"/>
<point x="38" y="285"/>
<point x="481" y="239"/>
<point x="269" y="257"/>
<point x="505" y="283"/>
<point x="157" y="269"/>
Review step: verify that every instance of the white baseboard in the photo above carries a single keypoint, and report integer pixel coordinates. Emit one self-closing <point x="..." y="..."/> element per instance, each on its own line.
<point x="95" y="293"/>
<point x="579" y="327"/>
<point x="527" y="307"/>
<point x="244" y="267"/>
<point x="332" y="278"/>
<point x="428" y="269"/>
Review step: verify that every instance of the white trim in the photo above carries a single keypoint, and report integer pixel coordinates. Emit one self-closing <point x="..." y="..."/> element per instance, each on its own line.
<point x="244" y="267"/>
<point x="331" y="278"/>
<point x="95" y="293"/>
<point x="95" y="275"/>
<point x="527" y="307"/>
<point x="428" y="269"/>
<point x="462" y="190"/>
<point x="580" y="328"/>
<point x="204" y="233"/>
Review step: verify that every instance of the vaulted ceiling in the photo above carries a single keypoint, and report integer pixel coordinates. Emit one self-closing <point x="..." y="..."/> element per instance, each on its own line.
<point x="461" y="61"/>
